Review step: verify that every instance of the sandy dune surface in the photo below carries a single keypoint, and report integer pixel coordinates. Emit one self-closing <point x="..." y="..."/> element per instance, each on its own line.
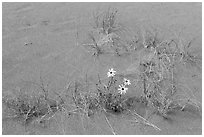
<point x="39" y="39"/>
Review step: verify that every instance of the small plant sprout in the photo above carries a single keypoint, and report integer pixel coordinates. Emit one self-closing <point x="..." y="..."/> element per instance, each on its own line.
<point x="111" y="72"/>
<point x="122" y="89"/>
<point x="126" y="81"/>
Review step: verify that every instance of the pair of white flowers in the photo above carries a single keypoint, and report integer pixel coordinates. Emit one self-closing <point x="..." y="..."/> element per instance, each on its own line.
<point x="122" y="88"/>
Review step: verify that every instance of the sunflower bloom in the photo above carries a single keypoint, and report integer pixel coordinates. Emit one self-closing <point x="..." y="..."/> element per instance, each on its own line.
<point x="126" y="81"/>
<point x="122" y="89"/>
<point x="111" y="72"/>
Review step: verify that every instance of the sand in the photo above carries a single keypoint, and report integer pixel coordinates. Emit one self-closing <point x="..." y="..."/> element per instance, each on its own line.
<point x="39" y="39"/>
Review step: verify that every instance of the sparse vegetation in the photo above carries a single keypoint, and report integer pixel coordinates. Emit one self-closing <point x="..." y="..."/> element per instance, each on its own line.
<point x="155" y="75"/>
<point x="105" y="34"/>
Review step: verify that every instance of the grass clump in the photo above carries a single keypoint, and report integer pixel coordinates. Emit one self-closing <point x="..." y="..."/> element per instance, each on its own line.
<point x="27" y="108"/>
<point x="106" y="21"/>
<point x="157" y="70"/>
<point x="107" y="98"/>
<point x="105" y="36"/>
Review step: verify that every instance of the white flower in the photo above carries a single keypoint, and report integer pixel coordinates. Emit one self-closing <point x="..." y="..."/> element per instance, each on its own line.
<point x="122" y="89"/>
<point x="126" y="81"/>
<point x="111" y="72"/>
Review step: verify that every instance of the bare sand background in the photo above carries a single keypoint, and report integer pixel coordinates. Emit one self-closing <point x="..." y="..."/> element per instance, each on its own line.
<point x="49" y="29"/>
